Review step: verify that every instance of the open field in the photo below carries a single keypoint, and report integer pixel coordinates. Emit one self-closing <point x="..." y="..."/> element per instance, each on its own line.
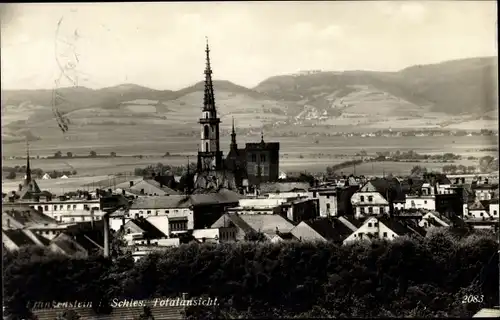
<point x="56" y="186"/>
<point x="123" y="143"/>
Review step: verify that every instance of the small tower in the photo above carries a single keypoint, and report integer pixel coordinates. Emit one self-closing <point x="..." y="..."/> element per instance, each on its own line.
<point x="209" y="155"/>
<point x="28" y="169"/>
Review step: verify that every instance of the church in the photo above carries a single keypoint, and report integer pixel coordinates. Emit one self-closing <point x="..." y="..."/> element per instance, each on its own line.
<point x="255" y="164"/>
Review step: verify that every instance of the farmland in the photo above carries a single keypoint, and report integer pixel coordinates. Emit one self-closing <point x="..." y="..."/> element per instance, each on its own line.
<point x="309" y="154"/>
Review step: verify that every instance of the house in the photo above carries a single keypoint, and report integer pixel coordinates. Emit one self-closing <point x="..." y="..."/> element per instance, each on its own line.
<point x="260" y="205"/>
<point x="323" y="229"/>
<point x="67" y="245"/>
<point x="185" y="212"/>
<point x="298" y="210"/>
<point x="46" y="177"/>
<point x="64" y="177"/>
<point x="479" y="209"/>
<point x="494" y="210"/>
<point x="70" y="210"/>
<point x="282" y="175"/>
<point x="384" y="227"/>
<point x="14" y="239"/>
<point x="30" y="219"/>
<point x="484" y="191"/>
<point x="327" y="199"/>
<point x="215" y="235"/>
<point x="140" y="229"/>
<point x="145" y="187"/>
<point x="245" y="224"/>
<point x="434" y="219"/>
<point x="378" y="196"/>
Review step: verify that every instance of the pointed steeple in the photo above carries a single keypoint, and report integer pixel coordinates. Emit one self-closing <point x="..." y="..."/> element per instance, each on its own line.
<point x="233" y="138"/>
<point x="28" y="169"/>
<point x="209" y="99"/>
<point x="262" y="136"/>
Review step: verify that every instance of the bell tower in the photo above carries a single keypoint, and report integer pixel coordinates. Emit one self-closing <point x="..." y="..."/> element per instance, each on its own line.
<point x="209" y="154"/>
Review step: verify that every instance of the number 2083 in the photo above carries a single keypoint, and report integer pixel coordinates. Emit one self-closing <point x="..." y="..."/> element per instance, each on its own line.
<point x="470" y="298"/>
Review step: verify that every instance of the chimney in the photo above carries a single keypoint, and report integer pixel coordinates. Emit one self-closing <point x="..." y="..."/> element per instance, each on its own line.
<point x="131" y="183"/>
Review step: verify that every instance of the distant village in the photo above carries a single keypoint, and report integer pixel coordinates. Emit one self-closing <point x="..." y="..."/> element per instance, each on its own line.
<point x="242" y="197"/>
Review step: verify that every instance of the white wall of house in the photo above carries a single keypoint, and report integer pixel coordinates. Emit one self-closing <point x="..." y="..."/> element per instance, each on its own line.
<point x="327" y="202"/>
<point x="265" y="203"/>
<point x="368" y="203"/>
<point x="374" y="227"/>
<point x="484" y="194"/>
<point x="148" y="213"/>
<point x="494" y="210"/>
<point x="445" y="189"/>
<point x="422" y="202"/>
<point x="478" y="214"/>
<point x="425" y="221"/>
<point x="281" y="195"/>
<point x="115" y="223"/>
<point x="304" y="232"/>
<point x="70" y="210"/>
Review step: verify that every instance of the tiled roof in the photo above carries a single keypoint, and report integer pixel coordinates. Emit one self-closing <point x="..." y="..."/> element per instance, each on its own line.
<point x="149" y="229"/>
<point x="149" y="186"/>
<point x="185" y="201"/>
<point x="267" y="223"/>
<point x="271" y="187"/>
<point x="68" y="244"/>
<point x="28" y="189"/>
<point x="232" y="218"/>
<point x="330" y="229"/>
<point x="18" y="237"/>
<point x="402" y="227"/>
<point x="27" y="216"/>
<point x="128" y="313"/>
<point x="390" y="187"/>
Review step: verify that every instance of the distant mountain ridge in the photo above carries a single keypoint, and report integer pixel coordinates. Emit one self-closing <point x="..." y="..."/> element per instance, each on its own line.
<point x="434" y="95"/>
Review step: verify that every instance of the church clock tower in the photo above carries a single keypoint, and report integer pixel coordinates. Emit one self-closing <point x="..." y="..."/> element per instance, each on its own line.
<point x="209" y="154"/>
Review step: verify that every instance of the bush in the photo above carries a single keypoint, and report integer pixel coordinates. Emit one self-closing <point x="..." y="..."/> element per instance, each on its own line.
<point x="405" y="277"/>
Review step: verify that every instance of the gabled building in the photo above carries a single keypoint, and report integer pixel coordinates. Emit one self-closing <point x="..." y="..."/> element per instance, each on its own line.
<point x="244" y="224"/>
<point x="327" y="199"/>
<point x="485" y="190"/>
<point x="378" y="196"/>
<point x="385" y="228"/>
<point x="434" y="219"/>
<point x="323" y="229"/>
<point x="145" y="187"/>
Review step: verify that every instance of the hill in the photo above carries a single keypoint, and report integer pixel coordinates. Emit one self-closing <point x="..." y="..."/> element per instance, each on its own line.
<point x="427" y="96"/>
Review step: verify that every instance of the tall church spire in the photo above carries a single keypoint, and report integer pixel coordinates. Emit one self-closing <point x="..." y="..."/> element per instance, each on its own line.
<point x="233" y="138"/>
<point x="209" y="99"/>
<point x="28" y="169"/>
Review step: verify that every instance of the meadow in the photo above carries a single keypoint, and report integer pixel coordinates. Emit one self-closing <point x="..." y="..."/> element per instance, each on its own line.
<point x="311" y="154"/>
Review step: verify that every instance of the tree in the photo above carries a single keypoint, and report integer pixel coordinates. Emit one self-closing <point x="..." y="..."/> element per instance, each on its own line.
<point x="471" y="169"/>
<point x="69" y="154"/>
<point x="11" y="175"/>
<point x="93" y="154"/>
<point x="418" y="171"/>
<point x="255" y="236"/>
<point x="488" y="164"/>
<point x="58" y="154"/>
<point x="112" y="154"/>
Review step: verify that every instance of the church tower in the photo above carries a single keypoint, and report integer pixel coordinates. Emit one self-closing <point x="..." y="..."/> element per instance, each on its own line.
<point x="209" y="154"/>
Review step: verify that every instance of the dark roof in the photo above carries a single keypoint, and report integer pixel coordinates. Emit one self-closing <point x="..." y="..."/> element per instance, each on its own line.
<point x="485" y="186"/>
<point x="330" y="229"/>
<point x="28" y="189"/>
<point x="388" y="187"/>
<point x="270" y="187"/>
<point x="19" y="237"/>
<point x="262" y="146"/>
<point x="69" y="245"/>
<point x="150" y="230"/>
<point x="286" y="235"/>
<point x="42" y="239"/>
<point x="236" y="220"/>
<point x="494" y="201"/>
<point x="406" y="227"/>
<point x="26" y="215"/>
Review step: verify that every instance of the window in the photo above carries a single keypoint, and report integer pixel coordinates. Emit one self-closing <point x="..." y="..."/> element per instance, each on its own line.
<point x="375" y="224"/>
<point x="205" y="133"/>
<point x="370" y="198"/>
<point x="55" y="207"/>
<point x="46" y="208"/>
<point x="413" y="204"/>
<point x="385" y="234"/>
<point x="254" y="158"/>
<point x="381" y="210"/>
<point x="206" y="146"/>
<point x="328" y="207"/>
<point x="494" y="212"/>
<point x="369" y="224"/>
<point x="68" y="207"/>
<point x="74" y="207"/>
<point x="328" y="197"/>
<point x="180" y="225"/>
<point x="262" y="158"/>
<point x="72" y="219"/>
<point x="362" y="210"/>
<point x="149" y="212"/>
<point x="128" y="230"/>
<point x="425" y="201"/>
<point x="83" y="218"/>
<point x="40" y="208"/>
<point x="167" y="211"/>
<point x="370" y="210"/>
<point x="481" y="214"/>
<point x="314" y="194"/>
<point x="362" y="198"/>
<point x="360" y="235"/>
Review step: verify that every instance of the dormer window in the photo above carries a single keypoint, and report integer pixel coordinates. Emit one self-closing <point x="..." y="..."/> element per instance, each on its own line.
<point x="370" y="198"/>
<point x="362" y="198"/>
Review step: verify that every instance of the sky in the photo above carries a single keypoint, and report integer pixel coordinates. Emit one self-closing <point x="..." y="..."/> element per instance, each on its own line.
<point x="161" y="45"/>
